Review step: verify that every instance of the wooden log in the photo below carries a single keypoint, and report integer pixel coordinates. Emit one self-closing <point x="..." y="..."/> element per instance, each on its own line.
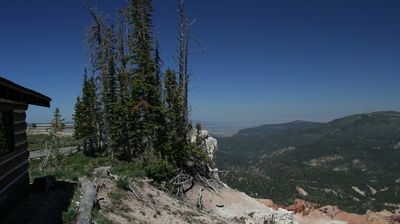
<point x="9" y="105"/>
<point x="20" y="128"/>
<point x="87" y="202"/>
<point x="19" y="116"/>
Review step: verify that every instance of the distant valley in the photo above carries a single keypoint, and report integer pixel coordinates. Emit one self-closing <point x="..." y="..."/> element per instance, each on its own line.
<point x="352" y="162"/>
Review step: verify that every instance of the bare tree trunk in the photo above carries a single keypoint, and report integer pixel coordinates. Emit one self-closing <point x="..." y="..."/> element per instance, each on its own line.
<point x="185" y="97"/>
<point x="183" y="50"/>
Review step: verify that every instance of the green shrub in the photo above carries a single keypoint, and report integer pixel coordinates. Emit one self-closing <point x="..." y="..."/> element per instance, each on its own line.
<point x="100" y="218"/>
<point x="115" y="196"/>
<point x="129" y="169"/>
<point x="123" y="183"/>
<point x="158" y="168"/>
<point x="68" y="168"/>
<point x="69" y="216"/>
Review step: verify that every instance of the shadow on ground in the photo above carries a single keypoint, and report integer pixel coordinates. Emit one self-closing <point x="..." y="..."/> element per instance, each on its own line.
<point x="41" y="207"/>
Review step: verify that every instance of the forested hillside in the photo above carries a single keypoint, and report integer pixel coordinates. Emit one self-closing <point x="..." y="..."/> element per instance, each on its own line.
<point x="352" y="162"/>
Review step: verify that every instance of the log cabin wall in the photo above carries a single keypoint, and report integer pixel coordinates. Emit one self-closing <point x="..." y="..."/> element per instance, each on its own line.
<point x="14" y="177"/>
<point x="14" y="154"/>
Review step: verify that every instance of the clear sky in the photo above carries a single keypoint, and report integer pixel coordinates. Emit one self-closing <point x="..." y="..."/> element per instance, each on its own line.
<point x="268" y="61"/>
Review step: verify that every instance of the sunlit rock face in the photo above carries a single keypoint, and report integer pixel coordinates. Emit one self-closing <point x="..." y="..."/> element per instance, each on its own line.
<point x="209" y="144"/>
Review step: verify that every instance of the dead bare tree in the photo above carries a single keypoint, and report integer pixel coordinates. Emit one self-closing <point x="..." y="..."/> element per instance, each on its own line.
<point x="183" y="29"/>
<point x="102" y="46"/>
<point x="185" y="37"/>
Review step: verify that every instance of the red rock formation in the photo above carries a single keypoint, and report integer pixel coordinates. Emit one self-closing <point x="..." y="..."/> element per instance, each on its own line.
<point x="302" y="207"/>
<point x="269" y="203"/>
<point x="311" y="213"/>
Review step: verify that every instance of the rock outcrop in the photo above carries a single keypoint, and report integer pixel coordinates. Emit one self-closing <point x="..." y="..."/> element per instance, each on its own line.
<point x="228" y="203"/>
<point x="209" y="146"/>
<point x="209" y="143"/>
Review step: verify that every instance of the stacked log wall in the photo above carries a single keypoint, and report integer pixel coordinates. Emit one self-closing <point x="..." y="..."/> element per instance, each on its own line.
<point x="14" y="176"/>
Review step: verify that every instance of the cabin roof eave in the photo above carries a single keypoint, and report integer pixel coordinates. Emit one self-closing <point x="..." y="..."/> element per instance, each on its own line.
<point x="10" y="91"/>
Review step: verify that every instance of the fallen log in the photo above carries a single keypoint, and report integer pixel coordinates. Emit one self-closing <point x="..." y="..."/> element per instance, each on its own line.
<point x="89" y="194"/>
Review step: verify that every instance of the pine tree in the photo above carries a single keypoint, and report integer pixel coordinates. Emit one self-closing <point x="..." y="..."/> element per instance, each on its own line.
<point x="146" y="116"/>
<point x="121" y="112"/>
<point x="79" y="117"/>
<point x="110" y="101"/>
<point x="158" y="63"/>
<point x="88" y="118"/>
<point x="57" y="123"/>
<point x="54" y="139"/>
<point x="175" y="121"/>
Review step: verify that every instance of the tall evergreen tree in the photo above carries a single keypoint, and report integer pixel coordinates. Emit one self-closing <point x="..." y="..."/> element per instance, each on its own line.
<point x="146" y="114"/>
<point x="87" y="117"/>
<point x="158" y="63"/>
<point x="175" y="120"/>
<point x="57" y="123"/>
<point x="110" y="105"/>
<point x="80" y="116"/>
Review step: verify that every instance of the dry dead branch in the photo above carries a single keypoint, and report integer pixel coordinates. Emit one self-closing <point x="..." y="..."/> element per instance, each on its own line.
<point x="199" y="201"/>
<point x="209" y="183"/>
<point x="132" y="191"/>
<point x="178" y="184"/>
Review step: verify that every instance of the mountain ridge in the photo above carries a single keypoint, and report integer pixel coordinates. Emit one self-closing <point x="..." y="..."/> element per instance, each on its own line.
<point x="310" y="124"/>
<point x="356" y="152"/>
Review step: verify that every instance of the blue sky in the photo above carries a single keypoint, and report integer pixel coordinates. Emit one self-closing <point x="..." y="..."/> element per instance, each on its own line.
<point x="267" y="61"/>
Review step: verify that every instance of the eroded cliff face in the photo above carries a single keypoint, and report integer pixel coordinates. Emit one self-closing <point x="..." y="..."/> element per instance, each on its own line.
<point x="312" y="213"/>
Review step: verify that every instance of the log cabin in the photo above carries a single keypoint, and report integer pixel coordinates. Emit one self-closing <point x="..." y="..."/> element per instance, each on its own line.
<point x="14" y="154"/>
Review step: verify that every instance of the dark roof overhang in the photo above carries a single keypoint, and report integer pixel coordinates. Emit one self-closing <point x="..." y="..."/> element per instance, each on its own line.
<point x="10" y="91"/>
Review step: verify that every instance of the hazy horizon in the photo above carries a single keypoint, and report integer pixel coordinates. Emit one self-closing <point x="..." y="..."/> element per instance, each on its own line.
<point x="221" y="128"/>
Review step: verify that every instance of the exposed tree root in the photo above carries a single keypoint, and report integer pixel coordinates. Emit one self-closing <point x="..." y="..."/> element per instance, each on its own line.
<point x="132" y="191"/>
<point x="180" y="185"/>
<point x="199" y="201"/>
